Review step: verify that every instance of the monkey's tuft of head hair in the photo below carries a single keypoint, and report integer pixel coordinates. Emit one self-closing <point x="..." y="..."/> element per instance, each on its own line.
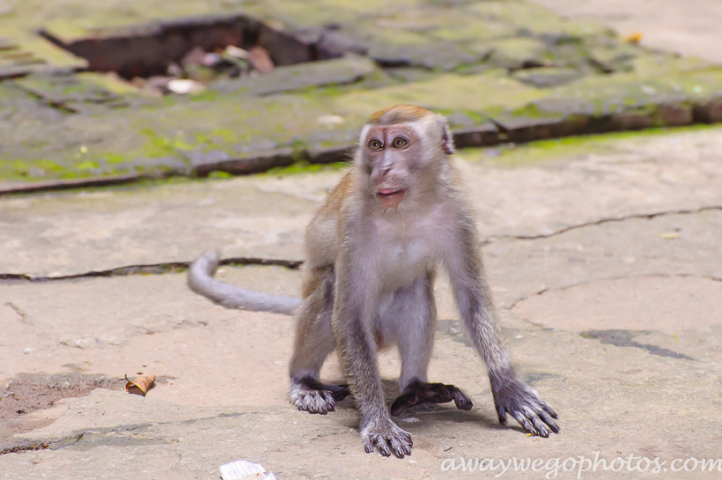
<point x="399" y="114"/>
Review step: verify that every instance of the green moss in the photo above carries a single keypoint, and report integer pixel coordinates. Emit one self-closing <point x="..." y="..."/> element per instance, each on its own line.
<point x="567" y="148"/>
<point x="114" y="158"/>
<point x="225" y="134"/>
<point x="87" y="165"/>
<point x="305" y="167"/>
<point x="29" y="169"/>
<point x="159" y="146"/>
<point x="219" y="174"/>
<point x="207" y="96"/>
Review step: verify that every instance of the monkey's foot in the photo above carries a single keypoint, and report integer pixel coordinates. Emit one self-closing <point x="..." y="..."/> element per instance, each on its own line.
<point x="385" y="436"/>
<point x="419" y="392"/>
<point x="312" y="396"/>
<point x="519" y="400"/>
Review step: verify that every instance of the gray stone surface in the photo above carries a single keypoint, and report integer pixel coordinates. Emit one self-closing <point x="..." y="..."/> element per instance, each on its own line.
<point x="605" y="262"/>
<point x="283" y="79"/>
<point x="485" y="57"/>
<point x="689" y="28"/>
<point x="68" y="234"/>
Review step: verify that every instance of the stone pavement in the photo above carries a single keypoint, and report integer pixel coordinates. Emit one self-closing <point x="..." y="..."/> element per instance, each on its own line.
<point x="503" y="71"/>
<point x="605" y="258"/>
<point x="690" y="27"/>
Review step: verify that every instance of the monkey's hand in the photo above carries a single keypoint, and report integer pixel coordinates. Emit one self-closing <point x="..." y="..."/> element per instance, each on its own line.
<point x="383" y="434"/>
<point x="519" y="400"/>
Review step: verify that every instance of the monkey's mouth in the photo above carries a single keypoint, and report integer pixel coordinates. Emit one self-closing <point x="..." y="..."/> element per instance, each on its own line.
<point x="390" y="197"/>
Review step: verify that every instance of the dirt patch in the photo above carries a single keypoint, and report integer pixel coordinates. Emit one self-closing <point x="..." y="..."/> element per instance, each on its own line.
<point x="28" y="393"/>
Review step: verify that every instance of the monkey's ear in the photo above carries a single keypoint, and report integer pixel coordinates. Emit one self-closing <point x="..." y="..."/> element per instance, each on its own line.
<point x="447" y="139"/>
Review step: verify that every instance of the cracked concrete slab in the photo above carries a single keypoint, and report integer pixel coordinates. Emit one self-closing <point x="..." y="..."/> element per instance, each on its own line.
<point x="636" y="247"/>
<point x="59" y="235"/>
<point x="607" y="304"/>
<point x="671" y="305"/>
<point x="227" y="388"/>
<point x="130" y="322"/>
<point x="67" y="234"/>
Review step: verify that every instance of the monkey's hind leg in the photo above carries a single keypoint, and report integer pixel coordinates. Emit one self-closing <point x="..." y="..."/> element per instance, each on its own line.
<point x="313" y="343"/>
<point x="419" y="392"/>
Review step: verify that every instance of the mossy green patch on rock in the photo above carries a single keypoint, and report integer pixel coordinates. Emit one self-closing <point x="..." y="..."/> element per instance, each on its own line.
<point x="305" y="167"/>
<point x="473" y="31"/>
<point x="513" y="53"/>
<point x="445" y="92"/>
<point x="89" y="124"/>
<point x="548" y="77"/>
<point x="568" y="148"/>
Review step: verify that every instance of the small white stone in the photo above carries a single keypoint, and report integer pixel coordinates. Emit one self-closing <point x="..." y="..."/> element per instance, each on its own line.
<point x="184" y="86"/>
<point x="330" y="120"/>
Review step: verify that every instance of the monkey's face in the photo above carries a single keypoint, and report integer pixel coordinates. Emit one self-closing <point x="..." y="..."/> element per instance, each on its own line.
<point x="392" y="154"/>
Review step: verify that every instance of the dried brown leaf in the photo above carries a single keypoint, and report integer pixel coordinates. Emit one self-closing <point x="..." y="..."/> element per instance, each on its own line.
<point x="140" y="385"/>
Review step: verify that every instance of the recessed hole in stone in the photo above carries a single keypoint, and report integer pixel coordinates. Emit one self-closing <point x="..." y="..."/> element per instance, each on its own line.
<point x="198" y="49"/>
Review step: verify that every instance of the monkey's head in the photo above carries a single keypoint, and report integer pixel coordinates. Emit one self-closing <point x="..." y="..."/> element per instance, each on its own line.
<point x="401" y="148"/>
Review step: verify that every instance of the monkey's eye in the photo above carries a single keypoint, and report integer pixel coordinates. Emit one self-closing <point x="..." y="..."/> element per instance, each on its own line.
<point x="375" y="144"/>
<point x="399" y="142"/>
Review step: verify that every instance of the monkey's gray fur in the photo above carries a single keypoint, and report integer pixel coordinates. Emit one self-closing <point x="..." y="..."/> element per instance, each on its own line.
<point x="200" y="280"/>
<point x="372" y="252"/>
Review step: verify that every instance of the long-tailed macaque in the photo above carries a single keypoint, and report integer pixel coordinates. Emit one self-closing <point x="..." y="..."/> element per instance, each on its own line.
<point x="372" y="252"/>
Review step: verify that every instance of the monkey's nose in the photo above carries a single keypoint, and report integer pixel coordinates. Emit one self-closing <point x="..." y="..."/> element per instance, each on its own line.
<point x="385" y="171"/>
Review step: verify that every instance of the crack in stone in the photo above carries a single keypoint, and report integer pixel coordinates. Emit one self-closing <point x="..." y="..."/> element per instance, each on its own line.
<point x="545" y="289"/>
<point x="152" y="269"/>
<point x="21" y="313"/>
<point x="602" y="221"/>
<point x="53" y="185"/>
<point x="171" y="267"/>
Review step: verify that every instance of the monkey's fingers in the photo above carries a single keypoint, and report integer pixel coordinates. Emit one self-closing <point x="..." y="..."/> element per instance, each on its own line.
<point x="315" y="401"/>
<point x="549" y="410"/>
<point x="405" y="401"/>
<point x="419" y="393"/>
<point x="382" y="445"/>
<point x="540" y="414"/>
<point x="340" y="392"/>
<point x="400" y="447"/>
<point x="547" y="419"/>
<point x="461" y="401"/>
<point x="526" y="423"/>
<point x="535" y="421"/>
<point x="388" y="444"/>
<point x="387" y="438"/>
<point x="501" y="413"/>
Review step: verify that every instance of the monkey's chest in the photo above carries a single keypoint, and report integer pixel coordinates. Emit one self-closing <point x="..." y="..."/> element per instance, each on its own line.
<point x="403" y="260"/>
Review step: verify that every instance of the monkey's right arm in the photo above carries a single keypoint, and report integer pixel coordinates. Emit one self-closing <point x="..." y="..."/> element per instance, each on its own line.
<point x="474" y="300"/>
<point x="351" y="322"/>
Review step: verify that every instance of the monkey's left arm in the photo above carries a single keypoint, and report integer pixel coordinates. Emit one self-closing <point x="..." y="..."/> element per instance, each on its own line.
<point x="476" y="306"/>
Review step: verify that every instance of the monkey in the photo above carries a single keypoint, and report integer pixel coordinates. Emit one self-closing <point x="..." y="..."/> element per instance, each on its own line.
<point x="372" y="251"/>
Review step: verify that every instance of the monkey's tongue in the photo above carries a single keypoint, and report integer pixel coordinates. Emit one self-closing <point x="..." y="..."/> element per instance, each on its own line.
<point x="389" y="191"/>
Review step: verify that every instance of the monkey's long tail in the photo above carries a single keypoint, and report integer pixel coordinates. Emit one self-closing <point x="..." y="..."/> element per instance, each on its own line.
<point x="200" y="280"/>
